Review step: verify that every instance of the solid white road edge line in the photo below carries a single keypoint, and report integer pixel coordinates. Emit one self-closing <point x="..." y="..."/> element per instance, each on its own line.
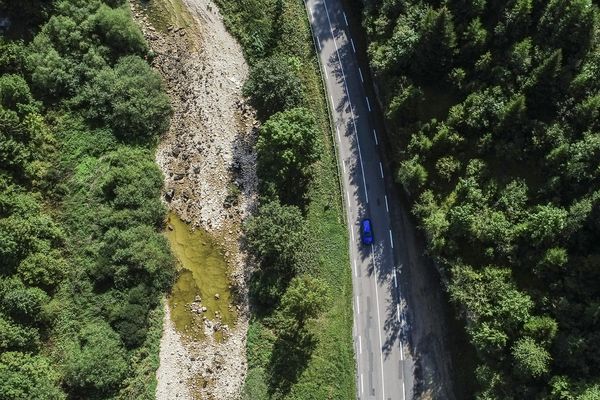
<point x="378" y="324"/>
<point x="348" y="94"/>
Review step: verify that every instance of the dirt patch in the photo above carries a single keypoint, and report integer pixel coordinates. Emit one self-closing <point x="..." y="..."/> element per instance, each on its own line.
<point x="210" y="182"/>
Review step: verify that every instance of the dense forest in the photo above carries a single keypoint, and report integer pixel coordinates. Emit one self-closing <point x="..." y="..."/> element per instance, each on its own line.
<point x="493" y="110"/>
<point x="83" y="264"/>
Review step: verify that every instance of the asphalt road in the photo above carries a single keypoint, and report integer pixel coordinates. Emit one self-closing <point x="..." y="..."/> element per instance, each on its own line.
<point x="385" y="367"/>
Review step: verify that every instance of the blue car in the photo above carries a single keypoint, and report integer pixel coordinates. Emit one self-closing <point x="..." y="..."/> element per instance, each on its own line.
<point x="366" y="232"/>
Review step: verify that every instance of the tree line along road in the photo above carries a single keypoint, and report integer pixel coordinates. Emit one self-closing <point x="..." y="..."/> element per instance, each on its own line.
<point x="397" y="352"/>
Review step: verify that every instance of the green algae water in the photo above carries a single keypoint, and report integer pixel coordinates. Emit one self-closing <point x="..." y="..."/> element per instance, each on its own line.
<point x="203" y="272"/>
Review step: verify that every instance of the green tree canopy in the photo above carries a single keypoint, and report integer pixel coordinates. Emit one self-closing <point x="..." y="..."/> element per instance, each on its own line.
<point x="22" y="303"/>
<point x="45" y="270"/>
<point x="135" y="255"/>
<point x="118" y="31"/>
<point x="14" y="92"/>
<point x="273" y="86"/>
<point x="531" y="359"/>
<point x="305" y="298"/>
<point x="25" y="377"/>
<point x="287" y="147"/>
<point x="94" y="361"/>
<point x="17" y="337"/>
<point x="274" y="235"/>
<point x="128" y="98"/>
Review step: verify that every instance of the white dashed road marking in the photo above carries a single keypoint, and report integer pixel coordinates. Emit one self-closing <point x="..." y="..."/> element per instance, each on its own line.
<point x="359" y="344"/>
<point x="348" y="94"/>
<point x="361" y="383"/>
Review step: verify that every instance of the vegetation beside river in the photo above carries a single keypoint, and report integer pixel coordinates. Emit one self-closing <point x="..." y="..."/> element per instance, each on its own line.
<point x="300" y="339"/>
<point x="83" y="261"/>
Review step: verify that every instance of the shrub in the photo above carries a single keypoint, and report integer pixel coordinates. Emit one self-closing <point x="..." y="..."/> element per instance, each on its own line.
<point x="128" y="98"/>
<point x="273" y="86"/>
<point x="287" y="147"/>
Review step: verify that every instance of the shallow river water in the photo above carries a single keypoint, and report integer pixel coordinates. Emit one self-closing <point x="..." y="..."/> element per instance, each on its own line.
<point x="202" y="271"/>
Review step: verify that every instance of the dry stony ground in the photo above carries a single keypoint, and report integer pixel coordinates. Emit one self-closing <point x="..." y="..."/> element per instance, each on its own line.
<point x="207" y="149"/>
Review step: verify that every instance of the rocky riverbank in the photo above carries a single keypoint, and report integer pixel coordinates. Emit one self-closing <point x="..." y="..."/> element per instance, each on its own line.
<point x="210" y="182"/>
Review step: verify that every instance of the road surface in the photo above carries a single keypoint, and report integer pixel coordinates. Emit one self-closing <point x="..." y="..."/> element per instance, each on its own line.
<point x="392" y="362"/>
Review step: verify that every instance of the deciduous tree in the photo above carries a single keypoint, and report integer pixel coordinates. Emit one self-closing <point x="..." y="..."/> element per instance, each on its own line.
<point x="273" y="86"/>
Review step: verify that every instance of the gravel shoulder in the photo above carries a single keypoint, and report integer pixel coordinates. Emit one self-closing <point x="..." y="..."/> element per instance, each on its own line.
<point x="207" y="158"/>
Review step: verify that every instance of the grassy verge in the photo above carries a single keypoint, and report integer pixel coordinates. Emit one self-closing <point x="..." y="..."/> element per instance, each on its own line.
<point x="329" y="374"/>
